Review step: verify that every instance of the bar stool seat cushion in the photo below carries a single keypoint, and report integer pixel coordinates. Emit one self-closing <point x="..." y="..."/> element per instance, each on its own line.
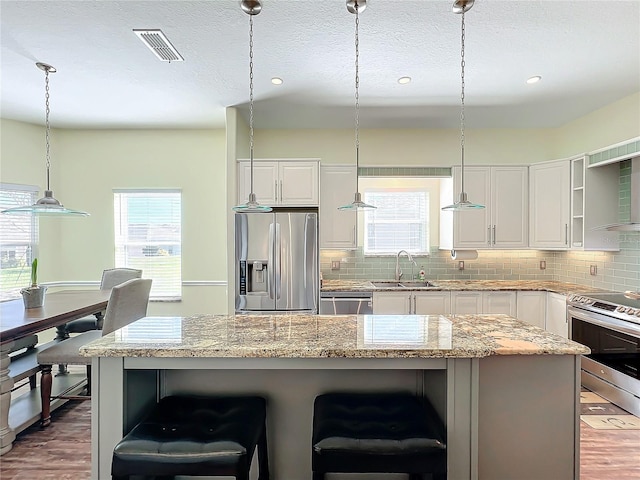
<point x="376" y="432"/>
<point x="68" y="351"/>
<point x="188" y="435"/>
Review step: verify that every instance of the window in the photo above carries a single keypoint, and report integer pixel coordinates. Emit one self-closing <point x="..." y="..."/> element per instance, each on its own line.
<point x="148" y="236"/>
<point x="400" y="221"/>
<point x="18" y="239"/>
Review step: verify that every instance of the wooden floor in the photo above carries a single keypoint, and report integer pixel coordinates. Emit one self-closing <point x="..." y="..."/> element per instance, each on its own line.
<point x="63" y="451"/>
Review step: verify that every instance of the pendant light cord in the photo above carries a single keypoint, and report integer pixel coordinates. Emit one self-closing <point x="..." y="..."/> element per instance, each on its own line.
<point x="357" y="116"/>
<point x="462" y="101"/>
<point x="251" y="98"/>
<point x="46" y="121"/>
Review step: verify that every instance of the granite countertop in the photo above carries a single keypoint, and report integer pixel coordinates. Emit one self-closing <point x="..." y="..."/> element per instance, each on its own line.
<point x="325" y="336"/>
<point x="564" y="288"/>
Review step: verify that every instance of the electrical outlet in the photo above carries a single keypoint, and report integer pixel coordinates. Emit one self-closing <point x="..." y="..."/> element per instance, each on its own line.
<point x="593" y="270"/>
<point x="543" y="265"/>
<point x="335" y="265"/>
<point x="460" y="265"/>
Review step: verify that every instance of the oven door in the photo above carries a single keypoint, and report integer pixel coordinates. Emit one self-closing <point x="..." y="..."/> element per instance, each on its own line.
<point x="612" y="367"/>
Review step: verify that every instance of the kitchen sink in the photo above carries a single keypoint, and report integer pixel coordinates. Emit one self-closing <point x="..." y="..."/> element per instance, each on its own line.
<point x="417" y="284"/>
<point x="421" y="283"/>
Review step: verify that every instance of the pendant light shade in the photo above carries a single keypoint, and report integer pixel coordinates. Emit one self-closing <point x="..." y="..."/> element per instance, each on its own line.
<point x="355" y="7"/>
<point x="463" y="203"/>
<point x="47" y="205"/>
<point x="251" y="8"/>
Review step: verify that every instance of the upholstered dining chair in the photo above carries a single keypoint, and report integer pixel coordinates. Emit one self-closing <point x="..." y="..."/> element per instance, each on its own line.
<point x="110" y="278"/>
<point x="127" y="303"/>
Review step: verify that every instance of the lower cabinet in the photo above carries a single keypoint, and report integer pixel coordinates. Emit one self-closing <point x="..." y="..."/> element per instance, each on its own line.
<point x="532" y="307"/>
<point x="411" y="302"/>
<point x="556" y="314"/>
<point x="470" y="302"/>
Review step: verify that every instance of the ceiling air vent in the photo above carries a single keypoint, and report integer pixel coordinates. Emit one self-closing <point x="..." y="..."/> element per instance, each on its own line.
<point x="159" y="44"/>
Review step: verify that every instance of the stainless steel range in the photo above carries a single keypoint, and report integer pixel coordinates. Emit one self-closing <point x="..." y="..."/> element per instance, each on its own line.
<point x="609" y="324"/>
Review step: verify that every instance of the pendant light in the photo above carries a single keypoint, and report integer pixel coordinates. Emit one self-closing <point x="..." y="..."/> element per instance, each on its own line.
<point x="463" y="203"/>
<point x="251" y="7"/>
<point x="47" y="205"/>
<point x="355" y="7"/>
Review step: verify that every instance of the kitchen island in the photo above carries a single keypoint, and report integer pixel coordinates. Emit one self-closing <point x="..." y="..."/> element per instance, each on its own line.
<point x="507" y="391"/>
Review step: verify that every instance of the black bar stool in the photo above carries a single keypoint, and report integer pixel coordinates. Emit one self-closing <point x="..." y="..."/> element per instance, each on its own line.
<point x="377" y="433"/>
<point x="198" y="436"/>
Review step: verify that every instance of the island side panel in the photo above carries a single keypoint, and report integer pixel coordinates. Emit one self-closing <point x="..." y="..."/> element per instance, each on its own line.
<point x="528" y="417"/>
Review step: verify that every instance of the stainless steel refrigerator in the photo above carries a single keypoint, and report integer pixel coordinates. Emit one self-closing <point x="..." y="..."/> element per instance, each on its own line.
<point x="277" y="262"/>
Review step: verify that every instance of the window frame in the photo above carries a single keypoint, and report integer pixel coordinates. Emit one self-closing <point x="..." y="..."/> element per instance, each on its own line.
<point x="122" y="241"/>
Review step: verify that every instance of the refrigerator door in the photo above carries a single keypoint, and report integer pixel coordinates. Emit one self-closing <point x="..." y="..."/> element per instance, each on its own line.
<point x="296" y="261"/>
<point x="255" y="262"/>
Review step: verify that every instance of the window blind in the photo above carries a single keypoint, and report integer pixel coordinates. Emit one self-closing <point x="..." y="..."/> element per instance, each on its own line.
<point x="400" y="222"/>
<point x="18" y="239"/>
<point x="148" y="236"/>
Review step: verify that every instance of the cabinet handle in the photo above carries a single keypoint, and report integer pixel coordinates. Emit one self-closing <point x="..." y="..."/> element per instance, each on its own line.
<point x="566" y="234"/>
<point x="410" y="303"/>
<point x="494" y="234"/>
<point x="276" y="190"/>
<point x="489" y="235"/>
<point x="281" y="190"/>
<point x="353" y="235"/>
<point x="414" y="305"/>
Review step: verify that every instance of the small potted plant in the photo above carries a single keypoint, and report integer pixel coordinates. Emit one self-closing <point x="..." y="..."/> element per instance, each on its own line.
<point x="33" y="296"/>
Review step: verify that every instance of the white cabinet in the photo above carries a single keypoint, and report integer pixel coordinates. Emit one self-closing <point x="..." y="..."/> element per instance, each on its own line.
<point x="290" y="182"/>
<point x="502" y="223"/>
<point x="337" y="186"/>
<point x="474" y="302"/>
<point x="549" y="188"/>
<point x="531" y="307"/>
<point x="411" y="302"/>
<point x="594" y="202"/>
<point x="556" y="315"/>
<point x="466" y="302"/>
<point x="568" y="199"/>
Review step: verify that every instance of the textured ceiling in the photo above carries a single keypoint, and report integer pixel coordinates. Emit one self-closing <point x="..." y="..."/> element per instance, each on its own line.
<point x="588" y="53"/>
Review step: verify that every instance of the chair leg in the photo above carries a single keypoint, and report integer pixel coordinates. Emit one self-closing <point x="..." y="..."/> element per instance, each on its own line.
<point x="318" y="476"/>
<point x="263" y="456"/>
<point x="89" y="380"/>
<point x="45" y="395"/>
<point x="32" y="382"/>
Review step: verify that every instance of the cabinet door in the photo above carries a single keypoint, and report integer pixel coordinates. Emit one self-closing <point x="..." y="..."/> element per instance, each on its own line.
<point x="549" y="194"/>
<point x="298" y="183"/>
<point x="265" y="181"/>
<point x="531" y="307"/>
<point x="391" y="303"/>
<point x="431" y="303"/>
<point x="472" y="227"/>
<point x="499" y="302"/>
<point x="509" y="207"/>
<point x="556" y="321"/>
<point x="337" y="227"/>
<point x="466" y="302"/>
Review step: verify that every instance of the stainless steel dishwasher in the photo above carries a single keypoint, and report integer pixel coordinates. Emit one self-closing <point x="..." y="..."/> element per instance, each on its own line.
<point x="346" y="303"/>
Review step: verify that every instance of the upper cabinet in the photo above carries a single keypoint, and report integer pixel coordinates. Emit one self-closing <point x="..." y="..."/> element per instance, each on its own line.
<point x="568" y="200"/>
<point x="502" y="223"/>
<point x="337" y="187"/>
<point x="594" y="202"/>
<point x="290" y="182"/>
<point x="549" y="200"/>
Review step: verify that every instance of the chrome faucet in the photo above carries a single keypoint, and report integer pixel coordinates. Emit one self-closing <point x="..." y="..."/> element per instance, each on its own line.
<point x="398" y="269"/>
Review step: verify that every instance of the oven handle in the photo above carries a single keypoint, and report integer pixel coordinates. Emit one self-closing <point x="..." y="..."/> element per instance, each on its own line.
<point x="603" y="321"/>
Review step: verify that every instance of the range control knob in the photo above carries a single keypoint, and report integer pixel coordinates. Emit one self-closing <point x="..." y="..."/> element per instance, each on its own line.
<point x="589" y="301"/>
<point x="637" y="313"/>
<point x="621" y="309"/>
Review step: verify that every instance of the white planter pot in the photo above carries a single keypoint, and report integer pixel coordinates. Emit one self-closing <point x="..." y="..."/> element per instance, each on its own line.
<point x="33" y="296"/>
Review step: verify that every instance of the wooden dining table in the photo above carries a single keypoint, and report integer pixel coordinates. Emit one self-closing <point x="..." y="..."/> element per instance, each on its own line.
<point x="17" y="322"/>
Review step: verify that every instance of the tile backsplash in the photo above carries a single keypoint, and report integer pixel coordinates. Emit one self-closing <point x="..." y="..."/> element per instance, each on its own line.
<point x="618" y="271"/>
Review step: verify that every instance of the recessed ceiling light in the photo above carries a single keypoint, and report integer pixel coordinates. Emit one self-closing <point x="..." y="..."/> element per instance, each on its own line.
<point x="276" y="81"/>
<point x="535" y="79"/>
<point x="404" y="80"/>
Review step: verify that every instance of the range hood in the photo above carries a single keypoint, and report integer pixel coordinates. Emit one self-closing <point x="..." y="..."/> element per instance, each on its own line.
<point x="633" y="225"/>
